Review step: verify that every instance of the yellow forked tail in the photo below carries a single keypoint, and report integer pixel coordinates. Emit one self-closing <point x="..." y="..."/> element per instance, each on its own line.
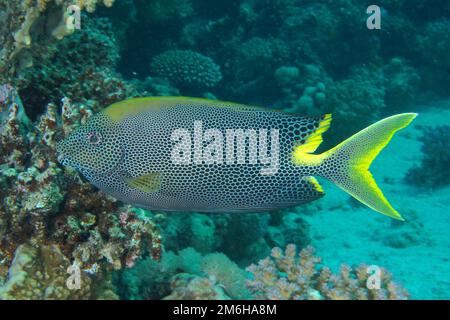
<point x="347" y="164"/>
<point x="356" y="155"/>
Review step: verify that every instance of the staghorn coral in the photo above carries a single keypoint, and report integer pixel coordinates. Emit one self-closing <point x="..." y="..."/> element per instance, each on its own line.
<point x="50" y="207"/>
<point x="290" y="275"/>
<point x="186" y="68"/>
<point x="29" y="26"/>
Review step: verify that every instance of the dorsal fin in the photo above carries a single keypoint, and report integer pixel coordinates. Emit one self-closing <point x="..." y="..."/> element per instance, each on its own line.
<point x="130" y="107"/>
<point x="313" y="141"/>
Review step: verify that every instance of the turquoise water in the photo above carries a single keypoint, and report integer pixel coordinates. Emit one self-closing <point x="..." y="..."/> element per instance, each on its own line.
<point x="63" y="238"/>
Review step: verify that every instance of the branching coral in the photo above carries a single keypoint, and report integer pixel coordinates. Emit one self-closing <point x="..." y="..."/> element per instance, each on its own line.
<point x="186" y="68"/>
<point x="47" y="207"/>
<point x="290" y="275"/>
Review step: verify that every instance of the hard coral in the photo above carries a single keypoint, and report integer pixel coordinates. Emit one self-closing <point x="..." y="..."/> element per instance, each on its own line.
<point x="186" y="68"/>
<point x="358" y="99"/>
<point x="29" y="26"/>
<point x="219" y="267"/>
<point x="290" y="275"/>
<point x="150" y="279"/>
<point x="191" y="287"/>
<point x="54" y="209"/>
<point x="80" y="66"/>
<point x="41" y="273"/>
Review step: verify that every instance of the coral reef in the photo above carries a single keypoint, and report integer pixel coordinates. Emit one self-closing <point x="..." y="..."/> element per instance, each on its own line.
<point x="290" y="275"/>
<point x="434" y="170"/>
<point x="41" y="273"/>
<point x="191" y="287"/>
<point x="257" y="233"/>
<point x="186" y="68"/>
<point x="434" y="43"/>
<point x="48" y="209"/>
<point x="27" y="27"/>
<point x="307" y="57"/>
<point x="81" y="66"/>
<point x="183" y="271"/>
<point x="163" y="10"/>
<point x="219" y="267"/>
<point x="282" y="275"/>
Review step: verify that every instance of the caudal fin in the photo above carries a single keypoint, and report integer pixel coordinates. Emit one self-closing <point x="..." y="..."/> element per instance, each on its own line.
<point x="347" y="164"/>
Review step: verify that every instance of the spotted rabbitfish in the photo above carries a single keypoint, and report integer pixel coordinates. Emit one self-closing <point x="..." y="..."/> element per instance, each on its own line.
<point x="189" y="154"/>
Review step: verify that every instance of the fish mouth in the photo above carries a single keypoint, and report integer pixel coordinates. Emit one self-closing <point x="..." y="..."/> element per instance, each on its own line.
<point x="65" y="161"/>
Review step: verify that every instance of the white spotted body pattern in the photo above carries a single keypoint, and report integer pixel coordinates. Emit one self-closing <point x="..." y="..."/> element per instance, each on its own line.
<point x="127" y="150"/>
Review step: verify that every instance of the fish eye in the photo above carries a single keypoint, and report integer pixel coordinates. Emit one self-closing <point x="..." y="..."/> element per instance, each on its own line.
<point x="94" y="138"/>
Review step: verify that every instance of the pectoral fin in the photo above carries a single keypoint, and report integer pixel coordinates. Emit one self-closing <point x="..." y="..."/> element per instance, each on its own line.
<point x="150" y="182"/>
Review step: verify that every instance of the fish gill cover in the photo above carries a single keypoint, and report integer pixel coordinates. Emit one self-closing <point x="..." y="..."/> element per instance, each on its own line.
<point x="62" y="238"/>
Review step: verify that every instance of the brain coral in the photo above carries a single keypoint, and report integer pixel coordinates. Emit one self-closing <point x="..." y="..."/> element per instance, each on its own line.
<point x="186" y="68"/>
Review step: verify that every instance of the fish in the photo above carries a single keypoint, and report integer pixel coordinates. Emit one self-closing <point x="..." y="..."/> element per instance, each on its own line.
<point x="200" y="155"/>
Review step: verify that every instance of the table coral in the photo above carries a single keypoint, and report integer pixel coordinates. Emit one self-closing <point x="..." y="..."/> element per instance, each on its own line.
<point x="290" y="275"/>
